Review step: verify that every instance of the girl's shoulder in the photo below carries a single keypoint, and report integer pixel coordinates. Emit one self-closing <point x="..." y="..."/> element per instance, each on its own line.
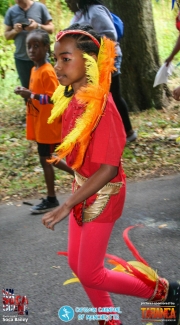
<point x="47" y="68"/>
<point x="46" y="72"/>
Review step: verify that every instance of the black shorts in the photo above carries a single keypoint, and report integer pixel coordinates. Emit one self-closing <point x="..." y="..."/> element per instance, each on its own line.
<point x="46" y="150"/>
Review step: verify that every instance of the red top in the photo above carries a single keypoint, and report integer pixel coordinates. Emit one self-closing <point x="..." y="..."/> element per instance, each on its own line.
<point x="106" y="147"/>
<point x="42" y="81"/>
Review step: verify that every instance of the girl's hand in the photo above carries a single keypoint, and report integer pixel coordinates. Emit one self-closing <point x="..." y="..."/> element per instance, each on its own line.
<point x="93" y="184"/>
<point x="50" y="219"/>
<point x="23" y="92"/>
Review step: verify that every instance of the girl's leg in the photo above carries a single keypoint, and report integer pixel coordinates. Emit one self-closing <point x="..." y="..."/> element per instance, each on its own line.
<point x="98" y="298"/>
<point x="48" y="175"/>
<point x="51" y="201"/>
<point x="89" y="247"/>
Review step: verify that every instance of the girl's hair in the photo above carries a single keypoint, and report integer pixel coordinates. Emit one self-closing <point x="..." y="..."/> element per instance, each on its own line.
<point x="83" y="4"/>
<point x="44" y="37"/>
<point x="85" y="43"/>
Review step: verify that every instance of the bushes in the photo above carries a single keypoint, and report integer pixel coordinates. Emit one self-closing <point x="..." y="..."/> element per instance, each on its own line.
<point x="4" y="5"/>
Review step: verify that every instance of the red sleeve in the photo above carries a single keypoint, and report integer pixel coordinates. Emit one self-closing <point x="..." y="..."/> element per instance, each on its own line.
<point x="109" y="137"/>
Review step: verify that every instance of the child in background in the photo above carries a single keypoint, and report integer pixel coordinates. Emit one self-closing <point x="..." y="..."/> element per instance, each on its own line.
<point x="93" y="142"/>
<point x="43" y="82"/>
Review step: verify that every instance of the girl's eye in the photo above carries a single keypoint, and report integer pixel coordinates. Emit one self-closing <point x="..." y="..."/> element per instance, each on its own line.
<point x="66" y="59"/>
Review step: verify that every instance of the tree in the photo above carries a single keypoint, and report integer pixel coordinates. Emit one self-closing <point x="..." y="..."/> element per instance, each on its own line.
<point x="140" y="54"/>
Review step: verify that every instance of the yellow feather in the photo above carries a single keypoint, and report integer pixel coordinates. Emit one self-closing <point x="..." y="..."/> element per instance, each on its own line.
<point x="71" y="281"/>
<point x="92" y="71"/>
<point x="151" y="274"/>
<point x="60" y="103"/>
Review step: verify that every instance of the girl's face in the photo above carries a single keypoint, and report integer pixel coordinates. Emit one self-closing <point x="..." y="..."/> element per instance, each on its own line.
<point x="70" y="64"/>
<point x="36" y="49"/>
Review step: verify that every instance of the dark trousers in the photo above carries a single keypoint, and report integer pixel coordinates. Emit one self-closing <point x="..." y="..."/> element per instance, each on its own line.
<point x="120" y="103"/>
<point x="24" y="70"/>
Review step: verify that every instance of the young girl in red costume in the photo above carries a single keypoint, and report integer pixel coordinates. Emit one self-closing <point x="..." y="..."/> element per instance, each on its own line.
<point x="93" y="142"/>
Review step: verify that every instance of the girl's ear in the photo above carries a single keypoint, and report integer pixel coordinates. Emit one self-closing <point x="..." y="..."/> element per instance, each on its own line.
<point x="94" y="56"/>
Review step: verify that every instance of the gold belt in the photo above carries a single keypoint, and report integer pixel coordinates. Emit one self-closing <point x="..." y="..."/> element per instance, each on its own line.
<point x="103" y="195"/>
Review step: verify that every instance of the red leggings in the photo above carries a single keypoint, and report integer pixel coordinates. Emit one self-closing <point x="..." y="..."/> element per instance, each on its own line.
<point x="86" y="251"/>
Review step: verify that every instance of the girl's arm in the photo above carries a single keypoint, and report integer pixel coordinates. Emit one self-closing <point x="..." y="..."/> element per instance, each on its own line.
<point x="26" y="93"/>
<point x="93" y="184"/>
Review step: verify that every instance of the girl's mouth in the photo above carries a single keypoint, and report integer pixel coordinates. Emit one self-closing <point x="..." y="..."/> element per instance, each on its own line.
<point x="60" y="77"/>
<point x="31" y="56"/>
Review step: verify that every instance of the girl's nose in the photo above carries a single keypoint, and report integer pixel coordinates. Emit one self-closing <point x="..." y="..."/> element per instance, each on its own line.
<point x="57" y="66"/>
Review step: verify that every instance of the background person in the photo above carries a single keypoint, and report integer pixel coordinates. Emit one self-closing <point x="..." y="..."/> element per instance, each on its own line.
<point x="94" y="13"/>
<point x="43" y="83"/>
<point x="17" y="17"/>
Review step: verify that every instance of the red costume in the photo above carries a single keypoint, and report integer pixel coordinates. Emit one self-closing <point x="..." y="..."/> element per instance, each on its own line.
<point x="106" y="147"/>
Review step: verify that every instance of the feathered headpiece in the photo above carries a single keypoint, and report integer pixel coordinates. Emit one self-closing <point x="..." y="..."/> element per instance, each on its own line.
<point x="93" y="97"/>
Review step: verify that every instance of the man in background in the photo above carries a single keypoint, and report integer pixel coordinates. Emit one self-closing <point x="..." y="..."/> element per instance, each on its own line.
<point x="20" y="19"/>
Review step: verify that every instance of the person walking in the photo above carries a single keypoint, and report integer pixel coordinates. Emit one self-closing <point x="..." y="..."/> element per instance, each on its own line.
<point x="20" y="19"/>
<point x="94" y="139"/>
<point x="43" y="82"/>
<point x="94" y="13"/>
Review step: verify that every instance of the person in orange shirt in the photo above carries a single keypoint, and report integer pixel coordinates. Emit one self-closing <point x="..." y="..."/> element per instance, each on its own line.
<point x="43" y="82"/>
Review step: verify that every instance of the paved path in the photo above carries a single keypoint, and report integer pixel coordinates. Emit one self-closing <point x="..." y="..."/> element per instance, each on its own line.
<point x="30" y="265"/>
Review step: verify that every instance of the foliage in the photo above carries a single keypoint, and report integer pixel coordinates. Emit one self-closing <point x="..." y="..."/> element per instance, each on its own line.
<point x="4" y="5"/>
<point x="164" y="19"/>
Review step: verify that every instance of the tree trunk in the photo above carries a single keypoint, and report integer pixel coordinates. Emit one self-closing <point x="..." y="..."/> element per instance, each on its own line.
<point x="140" y="54"/>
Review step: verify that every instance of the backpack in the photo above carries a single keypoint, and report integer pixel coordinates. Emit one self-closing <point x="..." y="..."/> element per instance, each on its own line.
<point x="119" y="26"/>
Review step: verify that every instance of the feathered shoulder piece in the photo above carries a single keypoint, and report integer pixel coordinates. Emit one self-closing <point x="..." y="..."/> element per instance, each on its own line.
<point x="93" y="97"/>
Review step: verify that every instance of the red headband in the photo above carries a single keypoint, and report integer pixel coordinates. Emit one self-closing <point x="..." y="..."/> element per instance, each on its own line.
<point x="77" y="31"/>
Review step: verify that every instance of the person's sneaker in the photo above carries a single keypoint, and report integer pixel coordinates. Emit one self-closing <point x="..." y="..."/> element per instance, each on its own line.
<point x="44" y="206"/>
<point x="174" y="298"/>
<point x="132" y="137"/>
